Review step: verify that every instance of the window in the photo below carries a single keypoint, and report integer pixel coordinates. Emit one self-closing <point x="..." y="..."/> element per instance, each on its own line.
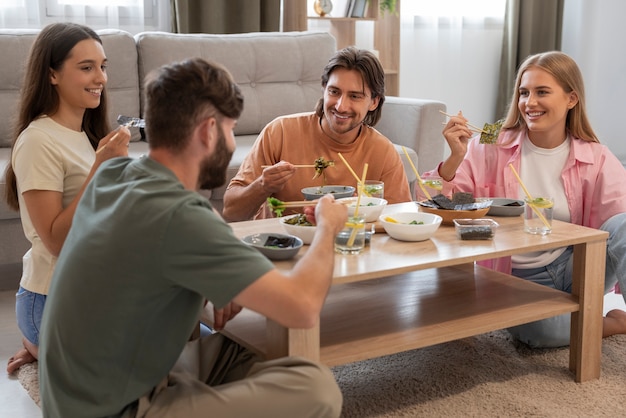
<point x="131" y="15"/>
<point x="450" y="50"/>
<point x="480" y="9"/>
<point x="98" y="8"/>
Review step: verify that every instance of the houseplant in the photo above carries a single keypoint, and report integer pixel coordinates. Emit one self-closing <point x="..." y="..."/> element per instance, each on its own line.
<point x="387" y="6"/>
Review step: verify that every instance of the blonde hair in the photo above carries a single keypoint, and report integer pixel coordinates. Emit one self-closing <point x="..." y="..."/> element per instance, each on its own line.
<point x="566" y="72"/>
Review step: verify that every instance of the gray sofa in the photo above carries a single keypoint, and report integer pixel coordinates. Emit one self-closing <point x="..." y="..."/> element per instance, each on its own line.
<point x="279" y="73"/>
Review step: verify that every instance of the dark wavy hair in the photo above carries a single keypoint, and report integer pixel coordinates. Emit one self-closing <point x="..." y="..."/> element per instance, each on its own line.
<point x="372" y="73"/>
<point x="179" y="95"/>
<point x="39" y="97"/>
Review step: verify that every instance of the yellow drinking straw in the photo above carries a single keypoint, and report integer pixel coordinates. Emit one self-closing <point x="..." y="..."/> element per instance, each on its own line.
<point x="355" y="226"/>
<point x="419" y="179"/>
<point x="529" y="197"/>
<point x="349" y="168"/>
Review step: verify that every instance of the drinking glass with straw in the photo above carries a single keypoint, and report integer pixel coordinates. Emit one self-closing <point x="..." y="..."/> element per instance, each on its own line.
<point x="417" y="175"/>
<point x="530" y="200"/>
<point x="351" y="239"/>
<point x="354" y="224"/>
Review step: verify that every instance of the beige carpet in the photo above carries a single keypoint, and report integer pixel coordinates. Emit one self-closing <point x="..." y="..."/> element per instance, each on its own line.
<point x="485" y="376"/>
<point x="28" y="377"/>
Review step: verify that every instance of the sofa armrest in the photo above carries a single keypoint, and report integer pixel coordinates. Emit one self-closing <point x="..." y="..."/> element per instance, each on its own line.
<point x="415" y="124"/>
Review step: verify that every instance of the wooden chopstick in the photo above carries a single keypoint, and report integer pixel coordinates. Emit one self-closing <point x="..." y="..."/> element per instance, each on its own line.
<point x="105" y="145"/>
<point x="471" y="128"/>
<point x="303" y="203"/>
<point x="295" y="165"/>
<point x="474" y="128"/>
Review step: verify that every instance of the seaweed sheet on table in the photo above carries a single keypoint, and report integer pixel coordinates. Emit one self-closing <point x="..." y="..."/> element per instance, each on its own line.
<point x="459" y="201"/>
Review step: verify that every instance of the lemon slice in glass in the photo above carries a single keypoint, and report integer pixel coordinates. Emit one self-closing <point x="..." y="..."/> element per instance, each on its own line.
<point x="540" y="202"/>
<point x="433" y="184"/>
<point x="354" y="225"/>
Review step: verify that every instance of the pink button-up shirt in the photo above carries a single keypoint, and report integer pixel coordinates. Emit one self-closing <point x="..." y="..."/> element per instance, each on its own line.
<point x="593" y="178"/>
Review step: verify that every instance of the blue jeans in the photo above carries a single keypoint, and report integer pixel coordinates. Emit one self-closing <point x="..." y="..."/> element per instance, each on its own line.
<point x="29" y="311"/>
<point x="555" y="331"/>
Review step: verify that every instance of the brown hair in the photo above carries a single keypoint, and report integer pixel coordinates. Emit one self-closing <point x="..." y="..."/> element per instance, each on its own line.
<point x="566" y="72"/>
<point x="39" y="97"/>
<point x="178" y="95"/>
<point x="372" y="73"/>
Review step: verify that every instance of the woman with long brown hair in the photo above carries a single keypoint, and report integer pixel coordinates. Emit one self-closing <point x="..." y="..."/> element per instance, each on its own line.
<point x="62" y="121"/>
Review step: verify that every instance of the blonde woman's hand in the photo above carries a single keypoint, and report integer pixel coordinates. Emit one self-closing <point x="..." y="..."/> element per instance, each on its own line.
<point x="115" y="144"/>
<point x="457" y="134"/>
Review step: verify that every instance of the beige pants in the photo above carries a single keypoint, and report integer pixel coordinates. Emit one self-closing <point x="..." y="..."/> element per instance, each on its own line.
<point x="216" y="377"/>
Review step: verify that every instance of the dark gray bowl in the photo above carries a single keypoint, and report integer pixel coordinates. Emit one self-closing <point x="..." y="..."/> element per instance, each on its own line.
<point x="315" y="192"/>
<point x="274" y="252"/>
<point x="502" y="207"/>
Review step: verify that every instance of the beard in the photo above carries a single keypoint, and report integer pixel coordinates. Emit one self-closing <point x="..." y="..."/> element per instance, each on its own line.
<point x="213" y="168"/>
<point x="340" y="128"/>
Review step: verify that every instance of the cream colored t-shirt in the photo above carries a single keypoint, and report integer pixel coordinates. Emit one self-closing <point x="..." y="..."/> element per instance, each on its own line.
<point x="47" y="156"/>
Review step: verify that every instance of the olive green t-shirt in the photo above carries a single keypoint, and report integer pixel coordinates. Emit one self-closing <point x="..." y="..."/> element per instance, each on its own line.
<point x="140" y="258"/>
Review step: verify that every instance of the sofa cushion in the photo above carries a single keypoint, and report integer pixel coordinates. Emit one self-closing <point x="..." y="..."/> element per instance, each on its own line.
<point x="123" y="78"/>
<point x="15" y="45"/>
<point x="277" y="72"/>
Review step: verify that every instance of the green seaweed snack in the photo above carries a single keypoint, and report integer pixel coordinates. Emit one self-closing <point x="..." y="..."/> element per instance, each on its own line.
<point x="276" y="206"/>
<point x="490" y="132"/>
<point x="320" y="165"/>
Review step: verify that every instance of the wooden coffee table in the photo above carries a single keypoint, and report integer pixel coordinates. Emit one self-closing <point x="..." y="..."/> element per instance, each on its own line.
<point x="398" y="296"/>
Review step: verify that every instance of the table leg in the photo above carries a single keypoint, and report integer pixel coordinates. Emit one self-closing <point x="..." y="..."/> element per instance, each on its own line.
<point x="586" y="330"/>
<point x="283" y="341"/>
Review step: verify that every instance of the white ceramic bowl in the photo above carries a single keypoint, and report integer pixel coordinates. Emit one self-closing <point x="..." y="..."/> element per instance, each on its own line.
<point x="274" y="246"/>
<point x="369" y="207"/>
<point x="315" y="192"/>
<point x="403" y="230"/>
<point x="305" y="233"/>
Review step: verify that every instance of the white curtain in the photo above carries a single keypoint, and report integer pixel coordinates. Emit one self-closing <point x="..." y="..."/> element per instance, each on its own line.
<point x="131" y="15"/>
<point x="450" y="51"/>
<point x="593" y="34"/>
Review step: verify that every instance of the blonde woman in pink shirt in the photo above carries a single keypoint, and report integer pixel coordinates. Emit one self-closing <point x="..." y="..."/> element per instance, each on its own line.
<point x="547" y="137"/>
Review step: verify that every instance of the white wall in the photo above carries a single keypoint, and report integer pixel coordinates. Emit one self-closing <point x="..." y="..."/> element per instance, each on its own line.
<point x="594" y="34"/>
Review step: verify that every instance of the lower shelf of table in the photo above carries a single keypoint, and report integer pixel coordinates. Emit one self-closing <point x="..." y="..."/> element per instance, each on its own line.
<point x="378" y="317"/>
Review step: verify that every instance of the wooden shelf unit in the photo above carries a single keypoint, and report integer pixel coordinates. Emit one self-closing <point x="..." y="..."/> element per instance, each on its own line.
<point x="386" y="36"/>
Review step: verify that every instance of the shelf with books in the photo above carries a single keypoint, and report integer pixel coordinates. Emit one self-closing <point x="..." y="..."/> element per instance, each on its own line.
<point x="386" y="36"/>
<point x="348" y="9"/>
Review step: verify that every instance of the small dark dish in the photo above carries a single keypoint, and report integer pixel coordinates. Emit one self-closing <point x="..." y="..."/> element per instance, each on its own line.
<point x="475" y="229"/>
<point x="506" y="207"/>
<point x="274" y="246"/>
